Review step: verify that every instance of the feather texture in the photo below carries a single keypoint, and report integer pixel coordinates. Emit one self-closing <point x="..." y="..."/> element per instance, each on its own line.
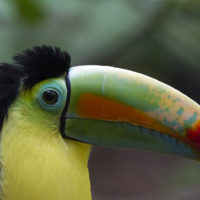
<point x="29" y="68"/>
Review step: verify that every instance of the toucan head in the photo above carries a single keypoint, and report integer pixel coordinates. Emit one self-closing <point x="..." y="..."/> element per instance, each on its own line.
<point x="98" y="105"/>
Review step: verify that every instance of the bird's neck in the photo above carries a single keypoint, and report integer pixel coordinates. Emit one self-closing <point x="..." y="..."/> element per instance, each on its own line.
<point x="42" y="166"/>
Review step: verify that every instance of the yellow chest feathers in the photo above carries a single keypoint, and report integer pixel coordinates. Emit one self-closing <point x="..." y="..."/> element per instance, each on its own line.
<point x="40" y="166"/>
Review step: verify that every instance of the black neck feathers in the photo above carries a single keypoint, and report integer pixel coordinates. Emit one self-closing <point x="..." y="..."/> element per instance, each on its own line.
<point x="10" y="77"/>
<point x="29" y="68"/>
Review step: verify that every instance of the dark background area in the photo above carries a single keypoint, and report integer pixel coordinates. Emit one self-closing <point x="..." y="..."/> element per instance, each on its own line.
<point x="160" y="38"/>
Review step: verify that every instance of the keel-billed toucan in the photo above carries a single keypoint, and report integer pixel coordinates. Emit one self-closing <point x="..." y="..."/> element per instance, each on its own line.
<point x="51" y="113"/>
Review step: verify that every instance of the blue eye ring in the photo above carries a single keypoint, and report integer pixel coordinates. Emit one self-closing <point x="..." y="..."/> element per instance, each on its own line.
<point x="55" y="101"/>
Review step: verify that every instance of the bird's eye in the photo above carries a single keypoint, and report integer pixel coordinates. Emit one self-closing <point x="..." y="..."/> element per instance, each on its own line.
<point x="50" y="97"/>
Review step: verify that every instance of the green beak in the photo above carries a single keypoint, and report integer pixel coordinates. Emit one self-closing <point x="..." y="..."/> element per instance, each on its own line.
<point x="120" y="108"/>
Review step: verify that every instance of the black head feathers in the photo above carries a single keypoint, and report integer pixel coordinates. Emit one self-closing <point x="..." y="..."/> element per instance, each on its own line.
<point x="41" y="63"/>
<point x="10" y="77"/>
<point x="29" y="68"/>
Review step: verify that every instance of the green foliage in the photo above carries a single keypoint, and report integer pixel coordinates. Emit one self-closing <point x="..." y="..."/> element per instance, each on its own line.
<point x="28" y="10"/>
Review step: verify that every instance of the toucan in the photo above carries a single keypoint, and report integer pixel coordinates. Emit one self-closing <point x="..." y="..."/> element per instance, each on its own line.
<point x="51" y="114"/>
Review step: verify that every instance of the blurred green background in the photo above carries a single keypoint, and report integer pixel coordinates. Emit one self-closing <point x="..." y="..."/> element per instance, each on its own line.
<point x="160" y="38"/>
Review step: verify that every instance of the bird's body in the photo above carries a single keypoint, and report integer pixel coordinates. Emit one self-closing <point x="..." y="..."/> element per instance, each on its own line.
<point x="37" y="164"/>
<point x="50" y="114"/>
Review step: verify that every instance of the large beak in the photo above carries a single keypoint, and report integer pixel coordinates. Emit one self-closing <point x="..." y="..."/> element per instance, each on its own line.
<point x="120" y="108"/>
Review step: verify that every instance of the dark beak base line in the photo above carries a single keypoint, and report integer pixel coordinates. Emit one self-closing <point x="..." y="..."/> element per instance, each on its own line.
<point x="63" y="115"/>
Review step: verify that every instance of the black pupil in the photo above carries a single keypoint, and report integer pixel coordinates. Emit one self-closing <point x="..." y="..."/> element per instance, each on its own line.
<point x="50" y="97"/>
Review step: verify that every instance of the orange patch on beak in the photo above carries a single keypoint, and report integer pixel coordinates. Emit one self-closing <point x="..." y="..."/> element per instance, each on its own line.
<point x="194" y="133"/>
<point x="98" y="107"/>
